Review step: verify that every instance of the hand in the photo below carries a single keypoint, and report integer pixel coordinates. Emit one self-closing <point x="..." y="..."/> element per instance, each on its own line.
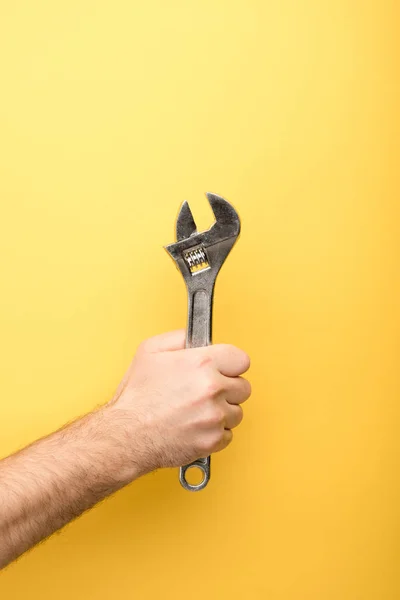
<point x="176" y="405"/>
<point x="173" y="406"/>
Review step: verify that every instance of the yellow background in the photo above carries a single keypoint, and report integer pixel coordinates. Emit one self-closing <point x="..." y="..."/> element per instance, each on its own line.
<point x="112" y="113"/>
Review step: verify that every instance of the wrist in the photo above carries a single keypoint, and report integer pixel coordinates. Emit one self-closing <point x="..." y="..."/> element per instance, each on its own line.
<point x="128" y="460"/>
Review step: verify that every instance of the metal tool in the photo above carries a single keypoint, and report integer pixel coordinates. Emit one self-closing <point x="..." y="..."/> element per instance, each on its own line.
<point x="199" y="257"/>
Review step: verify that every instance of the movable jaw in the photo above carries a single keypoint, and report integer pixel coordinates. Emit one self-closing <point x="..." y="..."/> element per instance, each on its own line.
<point x="196" y="253"/>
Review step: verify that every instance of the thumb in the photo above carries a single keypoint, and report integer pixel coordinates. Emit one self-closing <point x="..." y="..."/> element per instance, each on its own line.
<point x="165" y="342"/>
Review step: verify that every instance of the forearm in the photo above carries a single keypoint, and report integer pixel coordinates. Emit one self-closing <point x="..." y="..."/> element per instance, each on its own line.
<point x="57" y="478"/>
<point x="173" y="406"/>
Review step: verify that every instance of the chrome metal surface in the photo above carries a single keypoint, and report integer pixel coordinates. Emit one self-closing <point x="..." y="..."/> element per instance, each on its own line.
<point x="199" y="257"/>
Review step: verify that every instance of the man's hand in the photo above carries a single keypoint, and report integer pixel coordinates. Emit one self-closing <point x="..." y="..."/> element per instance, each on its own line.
<point x="179" y="405"/>
<point x="173" y="406"/>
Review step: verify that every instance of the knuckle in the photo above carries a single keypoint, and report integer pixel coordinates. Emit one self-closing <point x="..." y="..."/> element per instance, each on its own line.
<point x="203" y="359"/>
<point x="211" y="387"/>
<point x="215" y="441"/>
<point x="145" y="346"/>
<point x="208" y="386"/>
<point x="205" y="445"/>
<point x="202" y="448"/>
<point x="215" y="416"/>
<point x="221" y="442"/>
<point x="219" y="417"/>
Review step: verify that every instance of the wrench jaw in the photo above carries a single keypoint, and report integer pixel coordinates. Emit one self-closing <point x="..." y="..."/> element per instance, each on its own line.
<point x="185" y="225"/>
<point x="208" y="248"/>
<point x="225" y="215"/>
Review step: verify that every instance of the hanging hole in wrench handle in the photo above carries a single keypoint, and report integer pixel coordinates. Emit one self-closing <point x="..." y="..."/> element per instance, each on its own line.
<point x="199" y="467"/>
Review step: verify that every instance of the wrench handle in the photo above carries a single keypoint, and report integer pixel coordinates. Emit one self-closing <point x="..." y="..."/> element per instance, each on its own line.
<point x="199" y="334"/>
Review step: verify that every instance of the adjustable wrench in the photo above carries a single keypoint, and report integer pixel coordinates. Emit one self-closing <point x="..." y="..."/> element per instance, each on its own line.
<point x="199" y="257"/>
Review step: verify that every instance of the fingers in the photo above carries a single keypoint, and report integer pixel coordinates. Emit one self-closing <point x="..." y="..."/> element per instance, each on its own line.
<point x="233" y="415"/>
<point x="225" y="440"/>
<point x="229" y="360"/>
<point x="236" y="390"/>
<point x="165" y="342"/>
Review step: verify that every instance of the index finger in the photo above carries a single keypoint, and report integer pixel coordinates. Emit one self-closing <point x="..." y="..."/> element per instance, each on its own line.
<point x="229" y="360"/>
